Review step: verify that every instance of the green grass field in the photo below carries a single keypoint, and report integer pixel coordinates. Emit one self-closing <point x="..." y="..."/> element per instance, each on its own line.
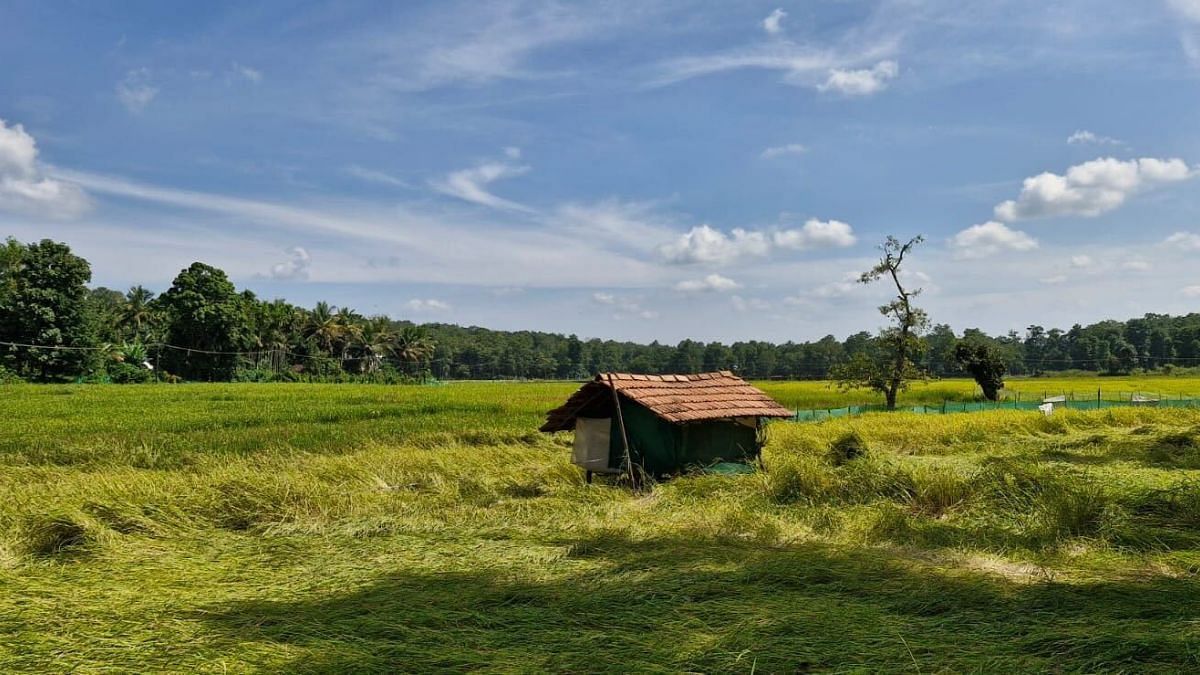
<point x="335" y="528"/>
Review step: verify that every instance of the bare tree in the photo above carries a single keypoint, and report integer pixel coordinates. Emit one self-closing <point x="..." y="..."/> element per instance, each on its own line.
<point x="891" y="365"/>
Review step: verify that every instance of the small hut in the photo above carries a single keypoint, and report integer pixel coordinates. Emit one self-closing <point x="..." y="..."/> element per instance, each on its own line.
<point x="666" y="423"/>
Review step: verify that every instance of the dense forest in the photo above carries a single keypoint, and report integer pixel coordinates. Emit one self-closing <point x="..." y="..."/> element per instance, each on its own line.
<point x="55" y="327"/>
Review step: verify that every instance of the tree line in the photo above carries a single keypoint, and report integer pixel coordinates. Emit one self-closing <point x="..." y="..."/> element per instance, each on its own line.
<point x="203" y="328"/>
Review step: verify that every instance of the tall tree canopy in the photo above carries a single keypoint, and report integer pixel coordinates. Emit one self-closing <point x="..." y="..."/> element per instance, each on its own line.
<point x="44" y="302"/>
<point x="203" y="313"/>
<point x="278" y="340"/>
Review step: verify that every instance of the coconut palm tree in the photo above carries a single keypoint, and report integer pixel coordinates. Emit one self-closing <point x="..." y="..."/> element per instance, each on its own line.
<point x="138" y="313"/>
<point x="322" y="327"/>
<point x="377" y="341"/>
<point x="413" y="345"/>
<point x="351" y="332"/>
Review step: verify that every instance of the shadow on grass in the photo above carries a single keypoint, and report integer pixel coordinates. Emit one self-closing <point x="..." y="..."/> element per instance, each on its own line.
<point x="616" y="604"/>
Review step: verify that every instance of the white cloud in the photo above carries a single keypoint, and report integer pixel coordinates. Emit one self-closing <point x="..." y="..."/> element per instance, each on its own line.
<point x="741" y="304"/>
<point x="990" y="238"/>
<point x="713" y="283"/>
<point x="1188" y="9"/>
<point x="1183" y="241"/>
<point x="512" y="152"/>
<point x="471" y="184"/>
<point x="406" y="242"/>
<point x="861" y="82"/>
<point x="704" y="244"/>
<point x="634" y="225"/>
<point x="294" y="268"/>
<point x="773" y="24"/>
<point x="135" y="91"/>
<point x="373" y="176"/>
<point x="1136" y="266"/>
<point x="801" y="65"/>
<point x="816" y="234"/>
<point x="1056" y="279"/>
<point x="24" y="188"/>
<point x="1084" y="137"/>
<point x="427" y="305"/>
<point x="1091" y="188"/>
<point x="624" y="307"/>
<point x="782" y="150"/>
<point x="1082" y="261"/>
<point x="494" y="44"/>
<point x="1191" y="291"/>
<point x="831" y="290"/>
<point x="246" y="72"/>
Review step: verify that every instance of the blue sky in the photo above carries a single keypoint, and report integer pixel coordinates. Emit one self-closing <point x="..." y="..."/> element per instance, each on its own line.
<point x="642" y="170"/>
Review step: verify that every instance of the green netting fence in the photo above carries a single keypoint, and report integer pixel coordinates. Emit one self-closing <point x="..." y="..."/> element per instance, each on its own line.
<point x="948" y="407"/>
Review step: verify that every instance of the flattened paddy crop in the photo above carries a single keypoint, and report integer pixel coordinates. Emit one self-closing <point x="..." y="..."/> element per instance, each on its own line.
<point x="345" y="528"/>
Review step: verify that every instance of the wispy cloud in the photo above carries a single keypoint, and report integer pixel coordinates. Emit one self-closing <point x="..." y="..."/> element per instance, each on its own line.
<point x="1183" y="241"/>
<point x="1188" y="9"/>
<point x="1084" y="137"/>
<point x="425" y="305"/>
<point x="862" y="81"/>
<point x="773" y="24"/>
<point x="713" y="283"/>
<point x="487" y="252"/>
<point x="135" y="92"/>
<point x="247" y="73"/>
<point x="470" y="185"/>
<point x="381" y="177"/>
<point x="624" y="307"/>
<point x="783" y="150"/>
<point x="845" y="68"/>
<point x="294" y="268"/>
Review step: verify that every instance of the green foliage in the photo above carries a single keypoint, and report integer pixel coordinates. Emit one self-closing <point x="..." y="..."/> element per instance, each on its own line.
<point x="203" y="313"/>
<point x="280" y="341"/>
<point x="124" y="372"/>
<point x="9" y="377"/>
<point x="43" y="301"/>
<point x="984" y="363"/>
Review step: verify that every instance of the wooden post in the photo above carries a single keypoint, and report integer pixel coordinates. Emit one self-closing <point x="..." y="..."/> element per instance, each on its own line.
<point x="624" y="436"/>
<point x="1097" y="398"/>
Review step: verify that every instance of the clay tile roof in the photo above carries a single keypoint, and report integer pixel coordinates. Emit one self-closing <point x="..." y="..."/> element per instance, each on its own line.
<point x="674" y="398"/>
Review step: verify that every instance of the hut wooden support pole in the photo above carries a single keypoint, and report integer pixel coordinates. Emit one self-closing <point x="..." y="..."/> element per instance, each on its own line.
<point x="624" y="436"/>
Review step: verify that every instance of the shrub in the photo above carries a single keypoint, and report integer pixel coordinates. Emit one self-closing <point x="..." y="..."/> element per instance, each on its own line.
<point x="128" y="373"/>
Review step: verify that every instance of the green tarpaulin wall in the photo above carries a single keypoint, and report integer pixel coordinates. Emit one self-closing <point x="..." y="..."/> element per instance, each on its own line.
<point x="662" y="447"/>
<point x="981" y="406"/>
